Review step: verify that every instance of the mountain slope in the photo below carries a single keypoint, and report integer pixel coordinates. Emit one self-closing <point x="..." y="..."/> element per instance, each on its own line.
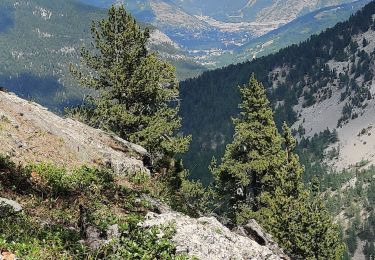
<point x="325" y="88"/>
<point x="298" y="71"/>
<point x="69" y="191"/>
<point x="52" y="33"/>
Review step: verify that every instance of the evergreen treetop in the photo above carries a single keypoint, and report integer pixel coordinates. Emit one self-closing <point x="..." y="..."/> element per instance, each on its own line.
<point x="135" y="93"/>
<point x="261" y="177"/>
<point x="254" y="158"/>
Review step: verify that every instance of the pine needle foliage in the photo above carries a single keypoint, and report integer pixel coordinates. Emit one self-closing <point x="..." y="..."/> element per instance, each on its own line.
<point x="260" y="177"/>
<point x="135" y="94"/>
<point x="254" y="158"/>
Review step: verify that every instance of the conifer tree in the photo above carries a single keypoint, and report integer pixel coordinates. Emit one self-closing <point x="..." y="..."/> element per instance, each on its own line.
<point x="301" y="224"/>
<point x="254" y="158"/>
<point x="322" y="236"/>
<point x="262" y="163"/>
<point x="135" y="93"/>
<point x="296" y="216"/>
<point x="293" y="170"/>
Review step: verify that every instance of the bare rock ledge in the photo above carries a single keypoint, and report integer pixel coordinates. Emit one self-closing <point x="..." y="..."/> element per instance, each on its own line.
<point x="206" y="238"/>
<point x="31" y="133"/>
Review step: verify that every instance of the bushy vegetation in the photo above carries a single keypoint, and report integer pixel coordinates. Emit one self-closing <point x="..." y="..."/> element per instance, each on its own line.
<point x="59" y="205"/>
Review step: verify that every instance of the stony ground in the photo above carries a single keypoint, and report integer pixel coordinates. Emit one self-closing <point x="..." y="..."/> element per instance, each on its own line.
<point x="31" y="133"/>
<point x="206" y="238"/>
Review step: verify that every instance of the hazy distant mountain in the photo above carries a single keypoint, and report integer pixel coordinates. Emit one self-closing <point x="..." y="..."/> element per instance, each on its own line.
<point x="215" y="31"/>
<point x="293" y="32"/>
<point x="40" y="38"/>
<point x="255" y="10"/>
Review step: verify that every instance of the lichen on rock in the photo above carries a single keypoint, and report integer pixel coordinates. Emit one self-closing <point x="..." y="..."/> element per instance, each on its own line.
<point x="207" y="238"/>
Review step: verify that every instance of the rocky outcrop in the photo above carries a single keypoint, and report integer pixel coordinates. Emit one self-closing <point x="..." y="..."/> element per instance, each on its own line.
<point x="206" y="238"/>
<point x="31" y="133"/>
<point x="8" y="207"/>
<point x="254" y="231"/>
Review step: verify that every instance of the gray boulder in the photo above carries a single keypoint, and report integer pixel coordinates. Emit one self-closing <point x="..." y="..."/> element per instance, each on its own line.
<point x="9" y="207"/>
<point x="206" y="238"/>
<point x="94" y="240"/>
<point x="255" y="232"/>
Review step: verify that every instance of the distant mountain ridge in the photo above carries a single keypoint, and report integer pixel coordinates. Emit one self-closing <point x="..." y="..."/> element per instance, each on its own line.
<point x="214" y="31"/>
<point x="298" y="30"/>
<point x="293" y="32"/>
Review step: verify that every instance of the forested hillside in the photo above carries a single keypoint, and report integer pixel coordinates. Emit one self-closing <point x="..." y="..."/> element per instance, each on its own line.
<point x="324" y="88"/>
<point x="298" y="73"/>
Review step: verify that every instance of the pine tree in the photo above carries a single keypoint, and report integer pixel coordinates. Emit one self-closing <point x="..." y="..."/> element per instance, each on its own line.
<point x="135" y="93"/>
<point x="296" y="216"/>
<point x="292" y="172"/>
<point x="322" y="239"/>
<point x="254" y="158"/>
<point x="304" y="226"/>
<point x="260" y="177"/>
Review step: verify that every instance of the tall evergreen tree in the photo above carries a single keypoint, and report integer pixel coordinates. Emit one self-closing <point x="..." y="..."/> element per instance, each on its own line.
<point x="321" y="239"/>
<point x="262" y="163"/>
<point x="135" y="93"/>
<point x="301" y="224"/>
<point x="254" y="158"/>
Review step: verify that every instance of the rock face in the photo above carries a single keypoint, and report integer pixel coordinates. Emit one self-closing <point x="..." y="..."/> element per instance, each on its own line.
<point x="206" y="238"/>
<point x="30" y="133"/>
